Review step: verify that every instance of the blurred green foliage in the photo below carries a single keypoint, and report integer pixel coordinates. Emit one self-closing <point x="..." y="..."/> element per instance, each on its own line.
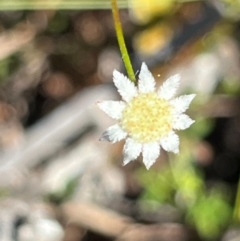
<point x="159" y="186"/>
<point x="181" y="184"/>
<point x="58" y="23"/>
<point x="200" y="129"/>
<point x="210" y="214"/>
<point x="65" y="193"/>
<point x="8" y="66"/>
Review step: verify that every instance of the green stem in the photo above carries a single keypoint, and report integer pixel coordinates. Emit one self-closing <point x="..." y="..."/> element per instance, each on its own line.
<point x="236" y="211"/>
<point x="121" y="42"/>
<point x="58" y="4"/>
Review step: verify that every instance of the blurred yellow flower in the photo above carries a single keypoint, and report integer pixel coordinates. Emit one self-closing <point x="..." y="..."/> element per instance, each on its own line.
<point x="153" y="39"/>
<point x="144" y="10"/>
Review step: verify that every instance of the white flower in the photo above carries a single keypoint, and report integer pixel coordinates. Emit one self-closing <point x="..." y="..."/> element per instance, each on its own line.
<point x="146" y="117"/>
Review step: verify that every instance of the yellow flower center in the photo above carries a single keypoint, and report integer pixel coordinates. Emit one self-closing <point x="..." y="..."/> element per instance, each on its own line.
<point x="147" y="118"/>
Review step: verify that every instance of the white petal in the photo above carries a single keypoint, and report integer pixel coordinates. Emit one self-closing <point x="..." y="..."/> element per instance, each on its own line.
<point x="150" y="153"/>
<point x="182" y="122"/>
<point x="169" y="87"/>
<point x="182" y="103"/>
<point x="112" y="108"/>
<point x="170" y="142"/>
<point x="113" y="134"/>
<point x="125" y="87"/>
<point x="131" y="150"/>
<point x="146" y="82"/>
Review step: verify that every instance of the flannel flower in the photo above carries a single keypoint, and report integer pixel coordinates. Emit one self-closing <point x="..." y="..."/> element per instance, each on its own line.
<point x="146" y="118"/>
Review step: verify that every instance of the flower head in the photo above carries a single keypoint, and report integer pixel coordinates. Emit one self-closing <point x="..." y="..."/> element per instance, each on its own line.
<point x="146" y="118"/>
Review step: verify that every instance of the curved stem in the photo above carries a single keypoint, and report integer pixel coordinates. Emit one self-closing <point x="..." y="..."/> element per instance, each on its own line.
<point x="121" y="42"/>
